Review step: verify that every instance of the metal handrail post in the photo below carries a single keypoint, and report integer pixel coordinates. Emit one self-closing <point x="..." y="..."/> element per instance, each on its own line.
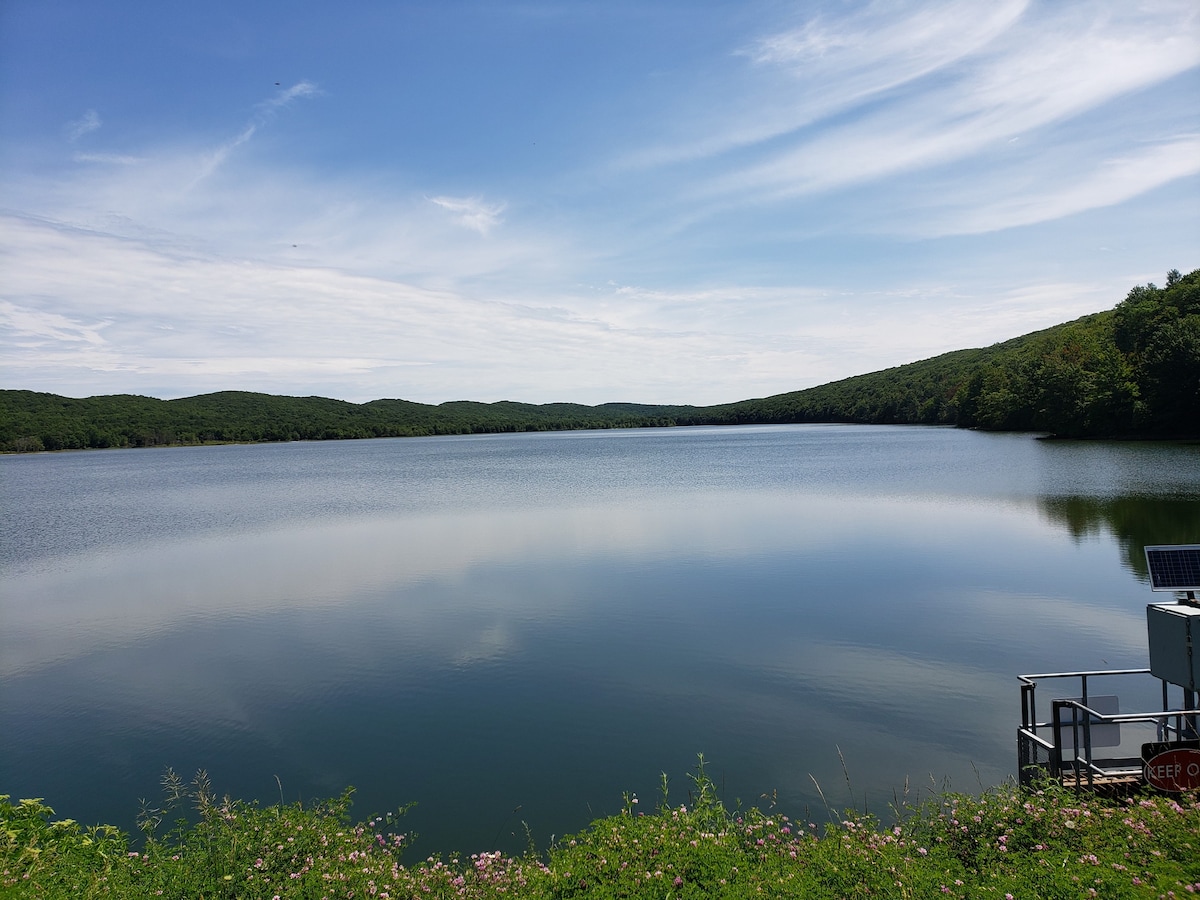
<point x="1056" y="760"/>
<point x="1087" y="738"/>
<point x="1164" y="727"/>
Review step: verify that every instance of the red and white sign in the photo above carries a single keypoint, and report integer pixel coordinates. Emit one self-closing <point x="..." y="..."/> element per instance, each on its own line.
<point x="1174" y="770"/>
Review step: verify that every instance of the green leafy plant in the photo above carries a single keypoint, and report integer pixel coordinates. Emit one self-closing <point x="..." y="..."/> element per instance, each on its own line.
<point x="1004" y="843"/>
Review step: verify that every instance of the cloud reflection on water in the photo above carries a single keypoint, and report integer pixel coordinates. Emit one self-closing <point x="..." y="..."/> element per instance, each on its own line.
<point x="122" y="596"/>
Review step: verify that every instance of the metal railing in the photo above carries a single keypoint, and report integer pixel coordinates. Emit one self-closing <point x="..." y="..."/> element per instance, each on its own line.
<point x="1064" y="747"/>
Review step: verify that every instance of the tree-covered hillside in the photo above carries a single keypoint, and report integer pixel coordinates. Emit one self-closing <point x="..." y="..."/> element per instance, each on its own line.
<point x="35" y="421"/>
<point x="1131" y="371"/>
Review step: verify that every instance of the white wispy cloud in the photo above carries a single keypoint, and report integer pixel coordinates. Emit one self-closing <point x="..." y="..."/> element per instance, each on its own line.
<point x="290" y="217"/>
<point x="114" y="159"/>
<point x="472" y="212"/>
<point x="1039" y="73"/>
<point x="827" y="66"/>
<point x="883" y="93"/>
<point x="266" y="112"/>
<point x="88" y="122"/>
<point x="215" y="158"/>
<point x="181" y="323"/>
<point x="1104" y="183"/>
<point x="32" y="328"/>
<point x="185" y="319"/>
<point x="284" y="97"/>
<point x="882" y="46"/>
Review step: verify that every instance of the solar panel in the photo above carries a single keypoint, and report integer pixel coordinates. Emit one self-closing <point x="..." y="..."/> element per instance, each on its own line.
<point x="1174" y="567"/>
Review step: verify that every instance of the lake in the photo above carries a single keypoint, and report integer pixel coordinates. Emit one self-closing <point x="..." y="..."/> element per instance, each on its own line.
<point x="520" y="628"/>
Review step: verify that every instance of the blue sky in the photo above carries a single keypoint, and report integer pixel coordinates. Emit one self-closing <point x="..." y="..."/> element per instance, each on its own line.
<point x="655" y="202"/>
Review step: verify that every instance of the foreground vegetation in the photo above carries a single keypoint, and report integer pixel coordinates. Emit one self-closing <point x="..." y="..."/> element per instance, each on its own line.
<point x="1131" y="371"/>
<point x="1009" y="844"/>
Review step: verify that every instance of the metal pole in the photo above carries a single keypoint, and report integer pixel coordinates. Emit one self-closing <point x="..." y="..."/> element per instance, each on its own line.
<point x="1056" y="734"/>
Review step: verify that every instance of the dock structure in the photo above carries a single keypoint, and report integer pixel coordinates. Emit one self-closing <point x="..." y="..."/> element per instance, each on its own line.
<point x="1087" y="741"/>
<point x="1083" y="739"/>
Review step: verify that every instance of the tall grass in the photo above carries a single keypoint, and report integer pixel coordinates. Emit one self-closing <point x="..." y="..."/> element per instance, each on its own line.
<point x="1006" y="843"/>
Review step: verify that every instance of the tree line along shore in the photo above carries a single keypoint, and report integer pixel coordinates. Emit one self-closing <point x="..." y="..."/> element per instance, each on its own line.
<point x="1129" y="372"/>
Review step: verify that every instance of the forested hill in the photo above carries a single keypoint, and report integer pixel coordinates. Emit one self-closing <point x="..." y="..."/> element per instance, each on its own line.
<point x="1130" y="371"/>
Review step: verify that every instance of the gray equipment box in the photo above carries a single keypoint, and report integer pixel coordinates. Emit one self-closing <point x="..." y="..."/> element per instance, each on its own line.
<point x="1174" y="632"/>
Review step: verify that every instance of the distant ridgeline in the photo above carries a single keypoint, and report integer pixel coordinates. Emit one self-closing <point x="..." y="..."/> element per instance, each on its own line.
<point x="1133" y="371"/>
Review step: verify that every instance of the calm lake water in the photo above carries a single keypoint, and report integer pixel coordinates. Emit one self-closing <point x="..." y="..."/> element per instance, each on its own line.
<point x="520" y="628"/>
